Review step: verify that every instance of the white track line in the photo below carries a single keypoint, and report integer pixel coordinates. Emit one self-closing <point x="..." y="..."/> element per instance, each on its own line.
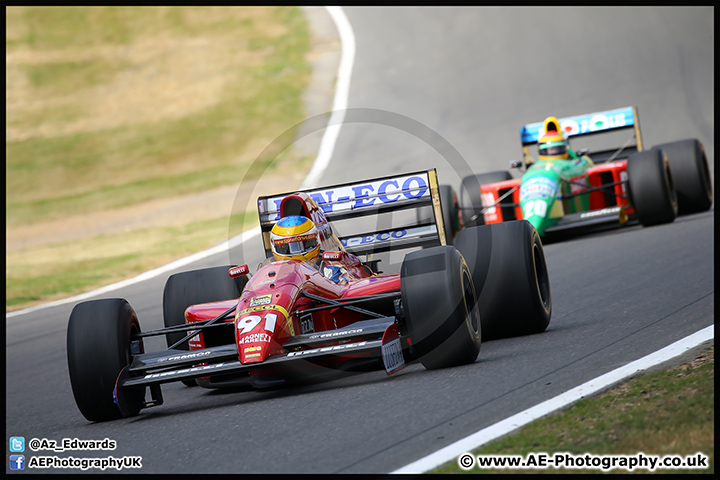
<point x="342" y="91"/>
<point x="325" y="152"/>
<point x="467" y="444"/>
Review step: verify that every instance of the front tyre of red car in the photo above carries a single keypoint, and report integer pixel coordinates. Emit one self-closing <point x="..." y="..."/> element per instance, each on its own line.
<point x="440" y="307"/>
<point x="101" y="341"/>
<point x="193" y="287"/>
<point x="507" y="263"/>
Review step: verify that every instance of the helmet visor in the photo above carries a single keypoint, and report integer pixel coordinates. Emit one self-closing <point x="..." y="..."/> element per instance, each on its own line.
<point x="296" y="245"/>
<point x="552" y="149"/>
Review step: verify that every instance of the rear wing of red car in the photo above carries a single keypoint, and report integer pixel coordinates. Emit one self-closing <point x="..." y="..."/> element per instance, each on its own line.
<point x="372" y="197"/>
<point x="590" y="124"/>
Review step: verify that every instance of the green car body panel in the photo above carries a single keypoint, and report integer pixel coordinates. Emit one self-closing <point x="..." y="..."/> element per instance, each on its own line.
<point x="544" y="181"/>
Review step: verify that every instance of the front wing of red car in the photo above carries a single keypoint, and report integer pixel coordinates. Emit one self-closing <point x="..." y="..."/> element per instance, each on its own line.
<point x="364" y="338"/>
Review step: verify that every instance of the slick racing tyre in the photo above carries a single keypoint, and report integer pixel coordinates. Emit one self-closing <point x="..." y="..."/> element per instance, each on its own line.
<point x="510" y="275"/>
<point x="450" y="212"/>
<point x="100" y="343"/>
<point x="651" y="187"/>
<point x="470" y="198"/>
<point x="191" y="288"/>
<point x="440" y="307"/>
<point x="690" y="173"/>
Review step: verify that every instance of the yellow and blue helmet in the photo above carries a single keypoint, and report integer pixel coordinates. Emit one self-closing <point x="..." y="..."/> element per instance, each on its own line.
<point x="553" y="144"/>
<point x="294" y="237"/>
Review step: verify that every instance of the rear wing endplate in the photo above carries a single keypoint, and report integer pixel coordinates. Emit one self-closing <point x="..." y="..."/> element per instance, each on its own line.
<point x="372" y="197"/>
<point x="588" y="124"/>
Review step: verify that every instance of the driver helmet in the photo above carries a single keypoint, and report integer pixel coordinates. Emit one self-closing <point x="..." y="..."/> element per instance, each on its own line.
<point x="294" y="237"/>
<point x="553" y="145"/>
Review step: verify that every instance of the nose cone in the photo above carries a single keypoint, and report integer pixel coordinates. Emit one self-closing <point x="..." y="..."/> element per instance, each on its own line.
<point x="263" y="323"/>
<point x="538" y="193"/>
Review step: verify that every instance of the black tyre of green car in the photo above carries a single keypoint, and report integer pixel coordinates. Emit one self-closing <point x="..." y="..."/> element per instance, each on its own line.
<point x="99" y="345"/>
<point x="471" y="199"/>
<point x="440" y="307"/>
<point x="690" y="173"/>
<point x="507" y="262"/>
<point x="192" y="288"/>
<point x="651" y="187"/>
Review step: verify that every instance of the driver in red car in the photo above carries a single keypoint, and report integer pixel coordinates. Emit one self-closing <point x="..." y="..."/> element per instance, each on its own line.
<point x="296" y="238"/>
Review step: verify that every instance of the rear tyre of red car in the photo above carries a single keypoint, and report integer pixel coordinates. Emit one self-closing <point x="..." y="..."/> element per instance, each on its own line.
<point x="100" y="343"/>
<point x="690" y="173"/>
<point x="440" y="307"/>
<point x="651" y="187"/>
<point x="471" y="198"/>
<point x="450" y="212"/>
<point x="191" y="288"/>
<point x="508" y="267"/>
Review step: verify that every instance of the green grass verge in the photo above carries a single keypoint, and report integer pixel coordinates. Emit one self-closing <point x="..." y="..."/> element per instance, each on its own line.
<point x="670" y="412"/>
<point x="112" y="107"/>
<point x="70" y="268"/>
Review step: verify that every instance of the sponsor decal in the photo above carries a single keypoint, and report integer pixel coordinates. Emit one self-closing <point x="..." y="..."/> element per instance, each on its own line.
<point x="331" y="255"/>
<point x="255" y="337"/>
<point x="261" y="300"/>
<point x="415" y="232"/>
<point x="597" y="213"/>
<point x="362" y="195"/>
<point x="488" y="201"/>
<point x="379" y="237"/>
<point x="183" y="357"/>
<point x="538" y="187"/>
<point x="335" y="348"/>
<point x="238" y="271"/>
<point x="251" y="355"/>
<point x="570" y="127"/>
<point x="298" y="238"/>
<point x="490" y="210"/>
<point x="582" y="124"/>
<point x="256" y="348"/>
<point x="261" y="308"/>
<point x="392" y="356"/>
<point x="183" y="371"/>
<point x="392" y="350"/>
<point x="335" y="334"/>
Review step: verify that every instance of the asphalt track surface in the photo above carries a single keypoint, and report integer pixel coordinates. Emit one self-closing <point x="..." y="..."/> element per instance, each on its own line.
<point x="473" y="76"/>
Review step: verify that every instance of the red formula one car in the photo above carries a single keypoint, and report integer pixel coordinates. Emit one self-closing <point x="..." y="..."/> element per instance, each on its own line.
<point x="313" y="308"/>
<point x="587" y="190"/>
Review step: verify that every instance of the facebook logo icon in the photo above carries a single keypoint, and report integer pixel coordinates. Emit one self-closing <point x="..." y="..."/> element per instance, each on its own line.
<point x="17" y="462"/>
